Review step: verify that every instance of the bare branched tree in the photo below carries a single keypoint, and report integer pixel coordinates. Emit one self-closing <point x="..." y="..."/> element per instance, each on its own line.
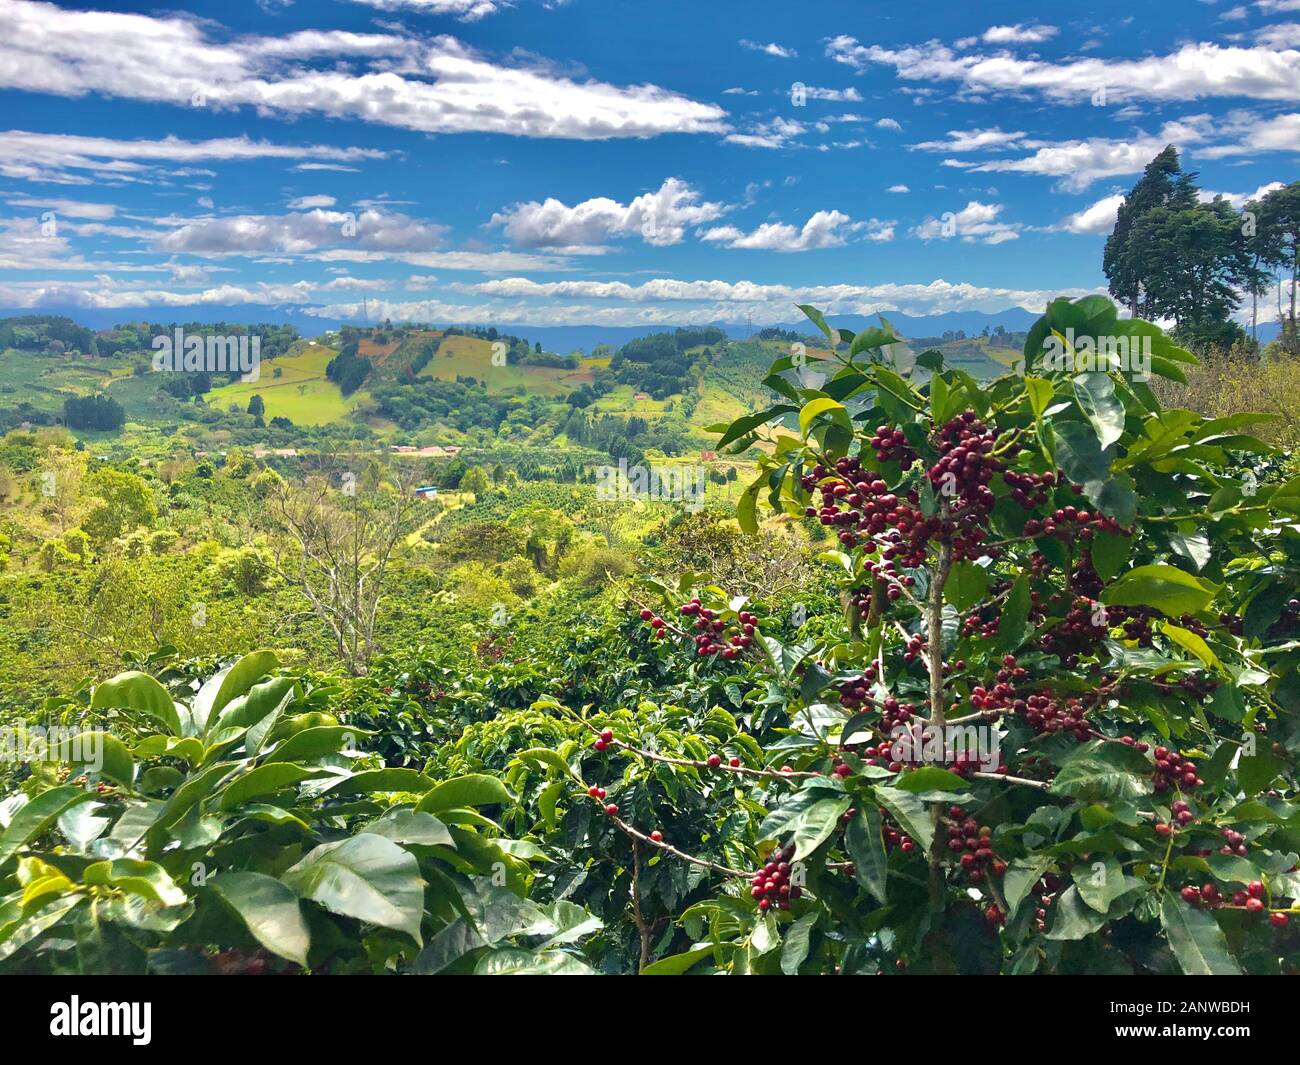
<point x="339" y="531"/>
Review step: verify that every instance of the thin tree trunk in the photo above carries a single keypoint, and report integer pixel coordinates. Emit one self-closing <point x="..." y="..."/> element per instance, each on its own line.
<point x="934" y="636"/>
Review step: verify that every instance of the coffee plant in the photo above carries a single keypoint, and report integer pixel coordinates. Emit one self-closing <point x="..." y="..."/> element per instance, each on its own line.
<point x="1056" y="728"/>
<point x="239" y="832"/>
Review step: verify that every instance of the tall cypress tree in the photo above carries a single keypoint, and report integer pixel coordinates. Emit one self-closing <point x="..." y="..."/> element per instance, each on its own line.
<point x="1127" y="263"/>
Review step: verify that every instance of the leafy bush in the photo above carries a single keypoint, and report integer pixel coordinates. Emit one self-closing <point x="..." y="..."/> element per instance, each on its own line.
<point x="242" y="832"/>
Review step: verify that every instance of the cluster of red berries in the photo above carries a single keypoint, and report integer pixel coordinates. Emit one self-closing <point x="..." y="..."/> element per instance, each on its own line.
<point x="895" y="714"/>
<point x="1029" y="489"/>
<point x="710" y="630"/>
<point x="1174" y="771"/>
<point x="1001" y="693"/>
<point x="860" y="504"/>
<point x="894" y="582"/>
<point x="599" y="794"/>
<point x="771" y="885"/>
<point x="1182" y="814"/>
<point x="890" y="445"/>
<point x="982" y="622"/>
<point x="605" y="738"/>
<point x="1252" y="900"/>
<point x="857" y="690"/>
<point x="974" y="842"/>
<point x="1234" y="843"/>
<point x="714" y="761"/>
<point x="1046" y="713"/>
<point x="915" y="648"/>
<point x="713" y="635"/>
<point x="894" y="837"/>
<point x="1070" y="523"/>
<point x="962" y="475"/>
<point x="1080" y="632"/>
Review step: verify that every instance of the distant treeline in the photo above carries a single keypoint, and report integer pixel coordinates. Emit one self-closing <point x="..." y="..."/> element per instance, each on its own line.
<point x="48" y="332"/>
<point x="659" y="364"/>
<point x="131" y="337"/>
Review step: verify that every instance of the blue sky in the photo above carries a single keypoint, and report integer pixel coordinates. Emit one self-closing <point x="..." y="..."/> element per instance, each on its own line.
<point x="608" y="161"/>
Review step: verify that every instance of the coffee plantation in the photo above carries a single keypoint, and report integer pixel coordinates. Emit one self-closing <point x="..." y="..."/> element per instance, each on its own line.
<point x="1035" y="712"/>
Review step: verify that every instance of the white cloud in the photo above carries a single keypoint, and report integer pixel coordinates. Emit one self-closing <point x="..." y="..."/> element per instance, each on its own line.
<point x="1281" y="35"/>
<point x="304" y="232"/>
<point x="357" y="284"/>
<point x="1018" y="34"/>
<point x="849" y="95"/>
<point x="659" y="218"/>
<point x="71" y="208"/>
<point x="1077" y="164"/>
<point x="776" y="50"/>
<point x="732" y="300"/>
<point x="976" y="223"/>
<point x="464" y="10"/>
<point x="1251" y="133"/>
<point x="888" y="123"/>
<point x="433" y="85"/>
<point x="103" y="293"/>
<point x="306" y="203"/>
<point x="824" y="229"/>
<point x="898" y="188"/>
<point x="483" y="262"/>
<point x="1240" y="199"/>
<point x="1097" y="218"/>
<point x="972" y="140"/>
<point x="60" y="158"/>
<point x="778" y="132"/>
<point x="1194" y="71"/>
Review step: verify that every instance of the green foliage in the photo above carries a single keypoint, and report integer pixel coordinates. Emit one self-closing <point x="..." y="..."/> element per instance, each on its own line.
<point x="211" y="840"/>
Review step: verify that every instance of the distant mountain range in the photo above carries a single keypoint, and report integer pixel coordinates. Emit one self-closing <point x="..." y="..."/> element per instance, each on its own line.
<point x="558" y="338"/>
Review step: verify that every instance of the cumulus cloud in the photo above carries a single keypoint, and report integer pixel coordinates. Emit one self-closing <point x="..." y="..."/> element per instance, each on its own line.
<point x="824" y="229"/>
<point x="1248" y="133"/>
<point x="898" y="188"/>
<point x="976" y="223"/>
<point x="888" y="123"/>
<point x="1079" y="163"/>
<point x="1240" y="199"/>
<point x="433" y="85"/>
<point x="659" y="218"/>
<point x="1096" y="218"/>
<point x="1018" y="34"/>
